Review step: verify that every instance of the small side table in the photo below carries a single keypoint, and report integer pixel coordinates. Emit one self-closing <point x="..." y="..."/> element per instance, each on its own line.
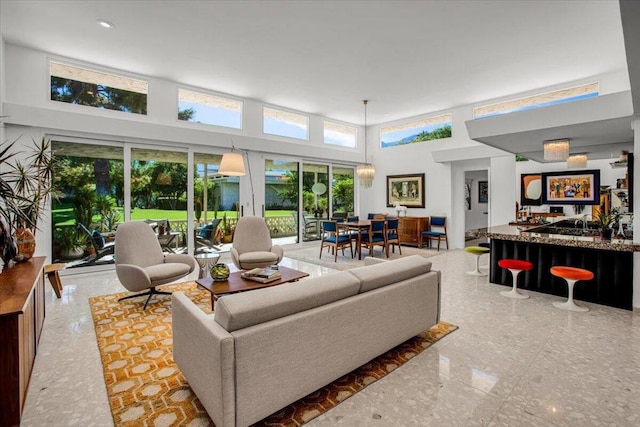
<point x="51" y="270"/>
<point x="206" y="261"/>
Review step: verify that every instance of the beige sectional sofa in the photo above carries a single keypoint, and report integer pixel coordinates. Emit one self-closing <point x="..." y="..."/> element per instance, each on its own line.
<point x="264" y="349"/>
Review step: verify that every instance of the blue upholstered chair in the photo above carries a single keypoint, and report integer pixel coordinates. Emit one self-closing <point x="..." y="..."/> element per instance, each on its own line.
<point x="437" y="231"/>
<point x="375" y="237"/>
<point x="392" y="235"/>
<point x="334" y="238"/>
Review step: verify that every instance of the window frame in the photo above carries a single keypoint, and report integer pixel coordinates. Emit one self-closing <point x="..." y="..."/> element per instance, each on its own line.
<point x="416" y="120"/>
<point x="540" y="104"/>
<point x="214" y="94"/>
<point x="286" y="111"/>
<point x="102" y="70"/>
<point x="355" y="137"/>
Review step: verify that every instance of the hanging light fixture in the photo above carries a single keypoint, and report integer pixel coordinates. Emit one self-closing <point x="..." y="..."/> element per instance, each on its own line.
<point x="556" y="150"/>
<point x="577" y="161"/>
<point x="366" y="171"/>
<point x="232" y="164"/>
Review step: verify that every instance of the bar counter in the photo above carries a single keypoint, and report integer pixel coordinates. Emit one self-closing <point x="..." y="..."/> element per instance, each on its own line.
<point x="611" y="261"/>
<point x="529" y="234"/>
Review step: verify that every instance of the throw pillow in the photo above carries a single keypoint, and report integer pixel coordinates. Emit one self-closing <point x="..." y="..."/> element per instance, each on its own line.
<point x="206" y="231"/>
<point x="97" y="237"/>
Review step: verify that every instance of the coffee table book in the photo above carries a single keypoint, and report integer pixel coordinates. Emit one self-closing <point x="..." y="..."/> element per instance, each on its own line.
<point x="261" y="273"/>
<point x="262" y="279"/>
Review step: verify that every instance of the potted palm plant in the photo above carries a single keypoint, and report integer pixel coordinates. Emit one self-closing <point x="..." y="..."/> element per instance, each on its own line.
<point x="25" y="186"/>
<point x="605" y="220"/>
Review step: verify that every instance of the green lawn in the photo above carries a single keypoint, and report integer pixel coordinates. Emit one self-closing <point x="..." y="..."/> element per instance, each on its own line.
<point x="64" y="216"/>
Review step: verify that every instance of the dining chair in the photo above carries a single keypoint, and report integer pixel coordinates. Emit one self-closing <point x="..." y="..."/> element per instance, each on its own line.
<point x="437" y="231"/>
<point x="334" y="238"/>
<point x="376" y="236"/>
<point x="393" y="237"/>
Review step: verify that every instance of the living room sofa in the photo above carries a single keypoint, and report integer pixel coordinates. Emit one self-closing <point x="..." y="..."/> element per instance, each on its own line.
<point x="264" y="349"/>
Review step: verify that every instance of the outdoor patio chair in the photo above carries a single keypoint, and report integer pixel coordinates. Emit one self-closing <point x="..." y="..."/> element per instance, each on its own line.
<point x="206" y="237"/>
<point x="100" y="246"/>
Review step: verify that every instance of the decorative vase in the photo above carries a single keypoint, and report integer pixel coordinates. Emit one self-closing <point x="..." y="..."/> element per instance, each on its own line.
<point x="25" y="242"/>
<point x="220" y="272"/>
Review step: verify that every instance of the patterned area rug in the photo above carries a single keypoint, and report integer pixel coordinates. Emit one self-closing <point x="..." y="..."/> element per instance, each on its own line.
<point x="312" y="255"/>
<point x="145" y="387"/>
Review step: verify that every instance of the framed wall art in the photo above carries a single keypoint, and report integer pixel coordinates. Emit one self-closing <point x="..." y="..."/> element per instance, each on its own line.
<point x="530" y="189"/>
<point x="408" y="190"/>
<point x="483" y="191"/>
<point x="571" y="188"/>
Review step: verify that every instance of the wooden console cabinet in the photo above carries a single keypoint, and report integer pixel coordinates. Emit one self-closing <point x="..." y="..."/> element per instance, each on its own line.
<point x="410" y="227"/>
<point x="21" y="319"/>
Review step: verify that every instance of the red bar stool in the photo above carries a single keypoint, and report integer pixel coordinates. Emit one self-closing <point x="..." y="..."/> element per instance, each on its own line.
<point x="571" y="275"/>
<point x="515" y="266"/>
<point x="478" y="252"/>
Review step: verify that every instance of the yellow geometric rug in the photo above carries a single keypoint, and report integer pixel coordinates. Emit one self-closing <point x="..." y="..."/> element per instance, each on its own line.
<point x="145" y="387"/>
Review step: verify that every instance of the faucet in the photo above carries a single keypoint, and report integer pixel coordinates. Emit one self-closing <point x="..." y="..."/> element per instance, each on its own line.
<point x="584" y="221"/>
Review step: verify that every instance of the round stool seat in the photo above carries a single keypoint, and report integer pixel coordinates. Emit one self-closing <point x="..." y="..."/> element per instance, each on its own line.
<point x="515" y="264"/>
<point x="572" y="273"/>
<point x="477" y="250"/>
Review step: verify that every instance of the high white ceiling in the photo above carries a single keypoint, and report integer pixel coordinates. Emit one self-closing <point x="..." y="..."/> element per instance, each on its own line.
<point x="324" y="57"/>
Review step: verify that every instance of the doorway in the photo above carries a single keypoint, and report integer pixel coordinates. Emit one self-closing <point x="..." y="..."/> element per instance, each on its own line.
<point x="476" y="203"/>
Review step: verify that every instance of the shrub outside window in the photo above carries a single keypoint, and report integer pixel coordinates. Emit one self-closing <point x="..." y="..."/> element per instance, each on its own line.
<point x="80" y="86"/>
<point x="422" y="130"/>
<point x="283" y="123"/>
<point x="341" y="135"/>
<point x="576" y="93"/>
<point x="209" y="109"/>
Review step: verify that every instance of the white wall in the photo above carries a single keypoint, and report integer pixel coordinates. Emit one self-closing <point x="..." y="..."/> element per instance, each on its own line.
<point x="478" y="216"/>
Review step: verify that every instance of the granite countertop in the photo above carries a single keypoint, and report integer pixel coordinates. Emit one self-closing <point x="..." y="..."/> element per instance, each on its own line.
<point x="529" y="234"/>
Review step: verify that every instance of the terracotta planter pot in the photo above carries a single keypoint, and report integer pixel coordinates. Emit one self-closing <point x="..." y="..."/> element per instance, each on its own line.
<point x="26" y="243"/>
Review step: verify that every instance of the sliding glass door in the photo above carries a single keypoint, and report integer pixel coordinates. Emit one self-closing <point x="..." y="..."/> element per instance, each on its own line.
<point x="89" y="182"/>
<point x="215" y="204"/>
<point x="159" y="194"/>
<point x="281" y="191"/>
<point x="342" y="191"/>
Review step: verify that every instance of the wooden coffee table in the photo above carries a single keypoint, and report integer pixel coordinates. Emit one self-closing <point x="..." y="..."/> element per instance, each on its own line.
<point x="235" y="283"/>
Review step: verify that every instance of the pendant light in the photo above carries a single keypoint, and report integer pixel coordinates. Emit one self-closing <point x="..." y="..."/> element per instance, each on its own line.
<point x="577" y="161"/>
<point x="556" y="150"/>
<point x="366" y="171"/>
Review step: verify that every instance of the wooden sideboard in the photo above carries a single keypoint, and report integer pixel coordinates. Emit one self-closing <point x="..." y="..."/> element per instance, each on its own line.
<point x="410" y="227"/>
<point x="21" y="319"/>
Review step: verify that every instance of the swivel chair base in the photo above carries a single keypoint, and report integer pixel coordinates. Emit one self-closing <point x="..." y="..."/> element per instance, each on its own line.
<point x="151" y="292"/>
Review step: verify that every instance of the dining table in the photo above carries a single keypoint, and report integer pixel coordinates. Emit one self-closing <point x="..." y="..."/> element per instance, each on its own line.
<point x="359" y="226"/>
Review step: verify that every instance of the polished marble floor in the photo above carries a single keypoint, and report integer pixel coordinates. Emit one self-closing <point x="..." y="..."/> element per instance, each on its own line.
<point x="511" y="363"/>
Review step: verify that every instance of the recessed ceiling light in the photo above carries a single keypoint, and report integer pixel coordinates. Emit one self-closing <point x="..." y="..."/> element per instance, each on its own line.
<point x="105" y="24"/>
